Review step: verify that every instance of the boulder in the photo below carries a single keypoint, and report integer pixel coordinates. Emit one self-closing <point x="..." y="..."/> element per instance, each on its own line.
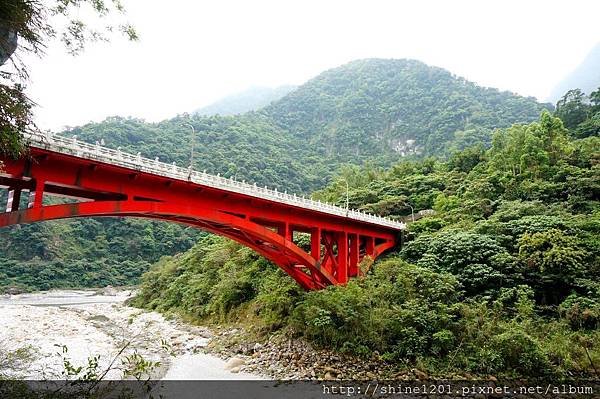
<point x="233" y="363"/>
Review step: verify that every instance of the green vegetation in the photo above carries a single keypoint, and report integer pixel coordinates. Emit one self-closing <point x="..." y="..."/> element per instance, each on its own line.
<point x="580" y="113"/>
<point x="26" y="28"/>
<point x="378" y="109"/>
<point x="86" y="252"/>
<point x="501" y="279"/>
<point x="366" y="111"/>
<point x="500" y="273"/>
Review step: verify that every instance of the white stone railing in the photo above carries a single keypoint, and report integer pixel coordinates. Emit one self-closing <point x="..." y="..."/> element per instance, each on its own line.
<point x="72" y="146"/>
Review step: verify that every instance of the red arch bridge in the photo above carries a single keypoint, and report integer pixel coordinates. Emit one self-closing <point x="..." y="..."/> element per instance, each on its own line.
<point x="108" y="182"/>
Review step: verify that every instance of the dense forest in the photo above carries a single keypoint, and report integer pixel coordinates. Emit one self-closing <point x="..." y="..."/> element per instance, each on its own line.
<point x="502" y="278"/>
<point x="369" y="111"/>
<point x="380" y="109"/>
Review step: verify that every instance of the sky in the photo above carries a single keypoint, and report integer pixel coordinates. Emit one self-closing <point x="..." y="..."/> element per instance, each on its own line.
<point x="192" y="53"/>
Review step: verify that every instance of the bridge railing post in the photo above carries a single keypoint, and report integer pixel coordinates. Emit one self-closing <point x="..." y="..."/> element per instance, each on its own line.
<point x="14" y="197"/>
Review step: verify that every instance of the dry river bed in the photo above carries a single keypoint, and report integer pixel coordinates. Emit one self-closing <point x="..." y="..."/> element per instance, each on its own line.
<point x="89" y="324"/>
<point x="99" y="323"/>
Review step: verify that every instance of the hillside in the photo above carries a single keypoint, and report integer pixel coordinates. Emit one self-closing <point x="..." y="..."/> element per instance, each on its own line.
<point x="586" y="76"/>
<point x="375" y="111"/>
<point x="376" y="107"/>
<point x="502" y="279"/>
<point x="251" y="99"/>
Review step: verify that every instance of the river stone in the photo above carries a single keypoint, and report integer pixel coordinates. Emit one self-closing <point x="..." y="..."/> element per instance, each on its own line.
<point x="109" y="290"/>
<point x="98" y="317"/>
<point x="13" y="291"/>
<point x="420" y="374"/>
<point x="233" y="363"/>
<point x="330" y="369"/>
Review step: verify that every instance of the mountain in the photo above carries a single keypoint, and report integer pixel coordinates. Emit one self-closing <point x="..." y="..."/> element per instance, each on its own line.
<point x="372" y="110"/>
<point x="513" y="235"/>
<point x="251" y="99"/>
<point x="374" y="107"/>
<point x="585" y="77"/>
<point x="377" y="111"/>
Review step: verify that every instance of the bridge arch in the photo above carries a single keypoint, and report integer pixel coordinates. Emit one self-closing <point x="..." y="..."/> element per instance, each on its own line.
<point x="283" y="252"/>
<point x="109" y="183"/>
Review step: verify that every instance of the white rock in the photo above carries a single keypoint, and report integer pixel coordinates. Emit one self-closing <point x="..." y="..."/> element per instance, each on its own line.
<point x="233" y="363"/>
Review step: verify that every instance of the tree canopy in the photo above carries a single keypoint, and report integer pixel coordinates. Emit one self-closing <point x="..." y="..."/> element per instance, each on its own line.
<point x="26" y="26"/>
<point x="498" y="276"/>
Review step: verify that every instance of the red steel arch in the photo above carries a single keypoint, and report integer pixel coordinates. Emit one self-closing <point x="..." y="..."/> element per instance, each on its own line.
<point x="338" y="244"/>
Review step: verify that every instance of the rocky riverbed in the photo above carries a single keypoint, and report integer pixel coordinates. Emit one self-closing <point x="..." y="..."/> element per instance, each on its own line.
<point x="285" y="358"/>
<point x="36" y="328"/>
<point x="41" y="330"/>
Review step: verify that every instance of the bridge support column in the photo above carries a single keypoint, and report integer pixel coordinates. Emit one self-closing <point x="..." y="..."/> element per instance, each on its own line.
<point x="36" y="196"/>
<point x="354" y="254"/>
<point x="14" y="197"/>
<point x="286" y="231"/>
<point x="342" y="257"/>
<point x="370" y="246"/>
<point x="315" y="244"/>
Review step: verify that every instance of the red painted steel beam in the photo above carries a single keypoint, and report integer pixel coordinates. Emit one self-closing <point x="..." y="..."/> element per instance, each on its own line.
<point x="183" y="214"/>
<point x="65" y="170"/>
<point x="315" y="243"/>
<point x="342" y="257"/>
<point x="265" y="226"/>
<point x="354" y="255"/>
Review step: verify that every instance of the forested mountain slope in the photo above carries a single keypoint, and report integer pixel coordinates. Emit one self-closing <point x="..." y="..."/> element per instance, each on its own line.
<point x="369" y="110"/>
<point x="376" y="107"/>
<point x="502" y="278"/>
<point x="364" y="110"/>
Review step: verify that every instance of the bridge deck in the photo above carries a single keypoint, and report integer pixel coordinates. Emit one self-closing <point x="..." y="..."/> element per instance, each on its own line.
<point x="113" y="183"/>
<point x="120" y="158"/>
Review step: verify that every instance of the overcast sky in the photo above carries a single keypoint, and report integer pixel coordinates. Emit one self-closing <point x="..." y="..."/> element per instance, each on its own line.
<point x="191" y="53"/>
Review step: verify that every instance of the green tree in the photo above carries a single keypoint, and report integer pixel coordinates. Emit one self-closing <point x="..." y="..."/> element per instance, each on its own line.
<point x="34" y="23"/>
<point x="554" y="262"/>
<point x="530" y="150"/>
<point x="572" y="108"/>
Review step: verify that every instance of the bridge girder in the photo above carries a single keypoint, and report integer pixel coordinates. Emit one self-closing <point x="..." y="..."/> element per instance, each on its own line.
<point x="338" y="245"/>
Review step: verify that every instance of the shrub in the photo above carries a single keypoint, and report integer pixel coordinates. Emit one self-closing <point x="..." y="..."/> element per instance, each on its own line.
<point x="277" y="298"/>
<point x="581" y="312"/>
<point x="519" y="353"/>
<point x="401" y="310"/>
<point x="472" y="257"/>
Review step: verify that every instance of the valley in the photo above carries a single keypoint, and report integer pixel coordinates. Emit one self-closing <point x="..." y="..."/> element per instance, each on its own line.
<point x="497" y="277"/>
